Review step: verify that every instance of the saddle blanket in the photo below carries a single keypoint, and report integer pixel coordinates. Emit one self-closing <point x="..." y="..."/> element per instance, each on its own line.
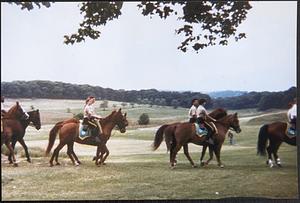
<point x="200" y="131"/>
<point x="84" y="133"/>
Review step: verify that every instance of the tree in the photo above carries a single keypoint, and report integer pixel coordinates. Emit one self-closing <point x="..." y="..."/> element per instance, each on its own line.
<point x="175" y="103"/>
<point x="114" y="106"/>
<point x="144" y="119"/>
<point x="216" y="21"/>
<point x="132" y="105"/>
<point x="104" y="105"/>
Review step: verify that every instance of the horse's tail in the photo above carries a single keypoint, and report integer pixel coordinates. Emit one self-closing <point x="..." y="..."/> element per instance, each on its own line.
<point x="158" y="137"/>
<point x="52" y="136"/>
<point x="170" y="139"/>
<point x="262" y="140"/>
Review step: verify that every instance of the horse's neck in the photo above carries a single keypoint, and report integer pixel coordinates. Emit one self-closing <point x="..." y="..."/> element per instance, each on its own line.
<point x="222" y="124"/>
<point x="107" y="125"/>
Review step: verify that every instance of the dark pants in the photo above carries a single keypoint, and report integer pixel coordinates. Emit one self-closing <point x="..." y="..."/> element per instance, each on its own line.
<point x="293" y="123"/>
<point x="91" y="125"/>
<point x="193" y="120"/>
<point x="201" y="121"/>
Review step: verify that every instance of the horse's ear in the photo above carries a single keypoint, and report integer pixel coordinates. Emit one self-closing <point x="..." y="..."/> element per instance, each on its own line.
<point x="37" y="110"/>
<point x="120" y="109"/>
<point x="235" y="113"/>
<point x="17" y="102"/>
<point x="125" y="114"/>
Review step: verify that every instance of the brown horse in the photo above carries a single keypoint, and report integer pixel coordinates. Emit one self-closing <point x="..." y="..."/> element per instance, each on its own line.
<point x="13" y="114"/>
<point x="169" y="129"/>
<point x="276" y="134"/>
<point x="69" y="133"/>
<point x="185" y="133"/>
<point x="18" y="131"/>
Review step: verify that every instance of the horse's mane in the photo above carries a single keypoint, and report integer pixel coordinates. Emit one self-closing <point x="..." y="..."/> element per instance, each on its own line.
<point x="109" y="117"/>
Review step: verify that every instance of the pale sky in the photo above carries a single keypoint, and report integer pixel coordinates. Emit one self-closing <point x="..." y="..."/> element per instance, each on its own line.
<point x="136" y="52"/>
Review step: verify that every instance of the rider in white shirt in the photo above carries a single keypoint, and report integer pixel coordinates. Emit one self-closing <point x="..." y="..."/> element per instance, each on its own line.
<point x="89" y="113"/>
<point x="193" y="111"/>
<point x="292" y="114"/>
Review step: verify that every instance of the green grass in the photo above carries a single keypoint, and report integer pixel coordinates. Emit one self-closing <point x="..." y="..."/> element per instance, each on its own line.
<point x="148" y="177"/>
<point x="268" y="119"/>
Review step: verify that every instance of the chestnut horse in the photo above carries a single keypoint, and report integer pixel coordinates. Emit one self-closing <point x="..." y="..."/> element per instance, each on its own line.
<point x="18" y="131"/>
<point x="276" y="134"/>
<point x="169" y="129"/>
<point x="185" y="133"/>
<point x="13" y="114"/>
<point x="69" y="133"/>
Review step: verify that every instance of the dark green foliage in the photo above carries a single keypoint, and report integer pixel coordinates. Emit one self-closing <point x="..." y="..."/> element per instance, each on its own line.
<point x="144" y="119"/>
<point x="79" y="116"/>
<point x="217" y="20"/>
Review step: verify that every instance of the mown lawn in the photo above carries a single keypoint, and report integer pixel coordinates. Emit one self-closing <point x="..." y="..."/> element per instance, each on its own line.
<point x="149" y="177"/>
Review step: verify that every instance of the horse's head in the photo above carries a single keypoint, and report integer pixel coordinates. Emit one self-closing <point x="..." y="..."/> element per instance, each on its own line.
<point x="234" y="123"/>
<point x="121" y="121"/>
<point x="16" y="112"/>
<point x="35" y="119"/>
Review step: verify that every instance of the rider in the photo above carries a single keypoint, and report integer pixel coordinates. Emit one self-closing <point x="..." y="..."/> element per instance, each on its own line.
<point x="202" y="116"/>
<point x="193" y="111"/>
<point x="90" y="118"/>
<point x="292" y="114"/>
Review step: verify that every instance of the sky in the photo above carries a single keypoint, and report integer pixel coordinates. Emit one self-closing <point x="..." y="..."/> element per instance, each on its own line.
<point x="135" y="52"/>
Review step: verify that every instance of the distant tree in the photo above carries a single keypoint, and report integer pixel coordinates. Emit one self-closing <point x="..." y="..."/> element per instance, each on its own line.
<point x="114" y="106"/>
<point x="144" y="119"/>
<point x="175" y="103"/>
<point x="132" y="105"/>
<point x="68" y="110"/>
<point x="104" y="104"/>
<point x="204" y="23"/>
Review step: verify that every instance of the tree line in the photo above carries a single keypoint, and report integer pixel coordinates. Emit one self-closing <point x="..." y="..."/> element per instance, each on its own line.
<point x="61" y="90"/>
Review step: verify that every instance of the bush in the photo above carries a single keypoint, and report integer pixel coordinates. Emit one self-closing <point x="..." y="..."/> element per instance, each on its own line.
<point x="68" y="110"/>
<point x="79" y="116"/>
<point x="144" y="119"/>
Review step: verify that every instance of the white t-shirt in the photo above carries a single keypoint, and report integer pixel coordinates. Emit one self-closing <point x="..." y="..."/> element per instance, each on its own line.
<point x="193" y="111"/>
<point x="292" y="112"/>
<point x="201" y="111"/>
<point x="89" y="110"/>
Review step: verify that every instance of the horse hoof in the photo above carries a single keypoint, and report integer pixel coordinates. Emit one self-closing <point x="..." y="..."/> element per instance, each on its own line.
<point x="279" y="165"/>
<point x="221" y="166"/>
<point x="172" y="167"/>
<point x="194" y="166"/>
<point x="94" y="158"/>
<point x="29" y="161"/>
<point x="15" y="165"/>
<point x="57" y="164"/>
<point x="51" y="165"/>
<point x="79" y="162"/>
<point x="76" y="164"/>
<point x="103" y="163"/>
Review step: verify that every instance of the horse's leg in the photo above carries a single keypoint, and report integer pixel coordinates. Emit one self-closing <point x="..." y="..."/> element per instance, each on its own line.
<point x="11" y="152"/>
<point x="218" y="155"/>
<point x="22" y="142"/>
<point x="211" y="154"/>
<point x="75" y="156"/>
<point x="186" y="152"/>
<point x="270" y="151"/>
<point x="56" y="153"/>
<point x="106" y="154"/>
<point x="13" y="144"/>
<point x="175" y="151"/>
<point x="276" y="157"/>
<point x="102" y="152"/>
<point x="202" y="155"/>
<point x="97" y="155"/>
<point x="70" y="153"/>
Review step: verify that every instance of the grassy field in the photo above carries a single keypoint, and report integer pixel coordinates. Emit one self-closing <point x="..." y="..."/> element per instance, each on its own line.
<point x="147" y="175"/>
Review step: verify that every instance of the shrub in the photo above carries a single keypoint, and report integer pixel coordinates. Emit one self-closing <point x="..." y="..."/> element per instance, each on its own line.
<point x="79" y="116"/>
<point x="144" y="119"/>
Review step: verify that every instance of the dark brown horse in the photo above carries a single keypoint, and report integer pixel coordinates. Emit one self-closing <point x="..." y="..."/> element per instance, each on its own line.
<point x="275" y="133"/>
<point x="169" y="129"/>
<point x="14" y="113"/>
<point x="185" y="133"/>
<point x="69" y="133"/>
<point x="18" y="131"/>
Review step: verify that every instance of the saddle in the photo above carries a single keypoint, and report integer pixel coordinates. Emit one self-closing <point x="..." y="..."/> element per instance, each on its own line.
<point x="87" y="129"/>
<point x="203" y="131"/>
<point x="290" y="131"/>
